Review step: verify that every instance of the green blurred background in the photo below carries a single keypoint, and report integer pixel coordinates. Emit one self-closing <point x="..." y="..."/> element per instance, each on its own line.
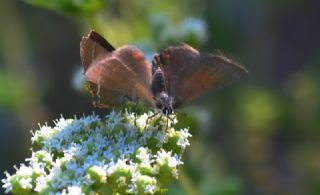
<point x="258" y="136"/>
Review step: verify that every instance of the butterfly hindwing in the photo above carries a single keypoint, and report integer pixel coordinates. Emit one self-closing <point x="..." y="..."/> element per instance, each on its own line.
<point x="134" y="59"/>
<point x="115" y="76"/>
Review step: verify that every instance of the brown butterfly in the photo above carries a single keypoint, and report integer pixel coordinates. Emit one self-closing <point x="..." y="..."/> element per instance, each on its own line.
<point x="180" y="74"/>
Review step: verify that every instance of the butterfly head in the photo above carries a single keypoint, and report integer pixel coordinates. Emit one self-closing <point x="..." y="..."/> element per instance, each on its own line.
<point x="164" y="103"/>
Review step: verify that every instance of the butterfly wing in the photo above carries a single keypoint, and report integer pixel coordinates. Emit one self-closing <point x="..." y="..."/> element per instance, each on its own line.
<point x="189" y="74"/>
<point x="115" y="76"/>
<point x="174" y="61"/>
<point x="109" y="76"/>
<point x="94" y="47"/>
<point x="134" y="59"/>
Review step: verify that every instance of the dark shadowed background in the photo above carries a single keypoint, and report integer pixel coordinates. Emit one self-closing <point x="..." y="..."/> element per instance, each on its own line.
<point x="257" y="136"/>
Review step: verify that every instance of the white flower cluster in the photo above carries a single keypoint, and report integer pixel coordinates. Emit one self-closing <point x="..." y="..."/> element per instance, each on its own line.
<point x="122" y="153"/>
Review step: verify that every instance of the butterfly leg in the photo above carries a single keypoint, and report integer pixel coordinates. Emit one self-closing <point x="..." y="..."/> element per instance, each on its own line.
<point x="150" y="117"/>
<point x="171" y="119"/>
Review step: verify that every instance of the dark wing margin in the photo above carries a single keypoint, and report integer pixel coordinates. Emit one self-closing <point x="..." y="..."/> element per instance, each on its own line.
<point x="93" y="47"/>
<point x="101" y="41"/>
<point x="134" y="59"/>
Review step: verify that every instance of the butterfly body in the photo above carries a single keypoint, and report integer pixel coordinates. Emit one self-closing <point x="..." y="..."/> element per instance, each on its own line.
<point x="160" y="94"/>
<point x="158" y="82"/>
<point x="116" y="75"/>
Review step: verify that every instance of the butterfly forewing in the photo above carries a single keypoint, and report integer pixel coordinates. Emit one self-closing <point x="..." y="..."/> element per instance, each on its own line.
<point x="94" y="48"/>
<point x="210" y="74"/>
<point x="174" y="62"/>
<point x="190" y="74"/>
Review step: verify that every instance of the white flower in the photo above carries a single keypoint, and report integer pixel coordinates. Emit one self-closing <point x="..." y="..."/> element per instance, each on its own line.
<point x="174" y="161"/>
<point x="150" y="189"/>
<point x="24" y="170"/>
<point x="163" y="155"/>
<point x="143" y="155"/>
<point x="63" y="123"/>
<point x="183" y="139"/>
<point x="141" y="121"/>
<point x="44" y="133"/>
<point x="74" y="190"/>
<point x="89" y="119"/>
<point x="41" y="183"/>
<point x="25" y="183"/>
<point x="6" y="182"/>
<point x="78" y="156"/>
